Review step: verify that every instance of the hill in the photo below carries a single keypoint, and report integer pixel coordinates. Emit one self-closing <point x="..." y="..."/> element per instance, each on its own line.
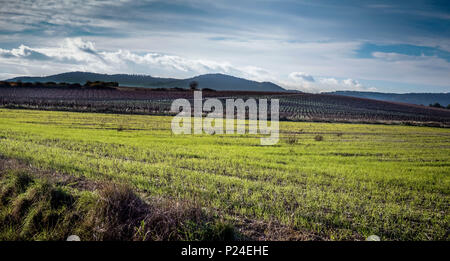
<point x="212" y="81"/>
<point x="414" y="98"/>
<point x="225" y="82"/>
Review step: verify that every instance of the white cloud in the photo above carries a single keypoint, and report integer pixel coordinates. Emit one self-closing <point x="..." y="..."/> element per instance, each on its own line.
<point x="29" y="14"/>
<point x="397" y="56"/>
<point x="353" y="84"/>
<point x="329" y="81"/>
<point x="332" y="84"/>
<point x="301" y="77"/>
<point x="305" y="82"/>
<point x="75" y="54"/>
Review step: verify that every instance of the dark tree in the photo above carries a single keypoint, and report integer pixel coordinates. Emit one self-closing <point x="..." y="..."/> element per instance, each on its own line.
<point x="193" y="85"/>
<point x="436" y="105"/>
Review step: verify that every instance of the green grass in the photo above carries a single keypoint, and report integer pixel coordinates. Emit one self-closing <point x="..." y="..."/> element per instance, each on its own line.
<point x="357" y="180"/>
<point x="36" y="208"/>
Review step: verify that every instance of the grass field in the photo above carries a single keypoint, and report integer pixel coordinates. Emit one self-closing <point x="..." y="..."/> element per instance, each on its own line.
<point x="333" y="181"/>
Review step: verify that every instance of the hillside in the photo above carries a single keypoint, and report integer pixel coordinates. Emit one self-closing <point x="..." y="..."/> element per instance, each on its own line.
<point x="224" y="82"/>
<point x="414" y="98"/>
<point x="213" y="81"/>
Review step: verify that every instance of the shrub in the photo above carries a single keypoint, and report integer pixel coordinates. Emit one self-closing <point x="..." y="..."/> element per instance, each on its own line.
<point x="122" y="215"/>
<point x="75" y="85"/>
<point x="318" y="138"/>
<point x="4" y="84"/>
<point x="193" y="85"/>
<point x="436" y="105"/>
<point x="292" y="139"/>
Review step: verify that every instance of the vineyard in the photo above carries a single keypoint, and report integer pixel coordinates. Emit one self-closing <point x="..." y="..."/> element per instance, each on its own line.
<point x="293" y="106"/>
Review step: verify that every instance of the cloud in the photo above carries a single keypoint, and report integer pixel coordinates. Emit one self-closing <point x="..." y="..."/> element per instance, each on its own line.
<point x="23" y="52"/>
<point x="397" y="57"/>
<point x="400" y="51"/>
<point x="40" y="15"/>
<point x="306" y="82"/>
<point x="76" y="54"/>
<point x="353" y="84"/>
<point x="342" y="72"/>
<point x="332" y="84"/>
<point x="301" y="76"/>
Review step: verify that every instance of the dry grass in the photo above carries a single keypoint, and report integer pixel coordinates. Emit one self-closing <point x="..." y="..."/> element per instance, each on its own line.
<point x="108" y="211"/>
<point x="122" y="215"/>
<point x="34" y="207"/>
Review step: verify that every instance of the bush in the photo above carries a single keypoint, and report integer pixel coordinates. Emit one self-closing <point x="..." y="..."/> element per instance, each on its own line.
<point x="436" y="105"/>
<point x="193" y="85"/>
<point x="4" y="84"/>
<point x="122" y="215"/>
<point x="292" y="139"/>
<point x="318" y="138"/>
<point x="75" y="85"/>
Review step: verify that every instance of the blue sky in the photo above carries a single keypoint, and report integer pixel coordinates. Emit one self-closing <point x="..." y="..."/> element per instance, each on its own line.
<point x="387" y="46"/>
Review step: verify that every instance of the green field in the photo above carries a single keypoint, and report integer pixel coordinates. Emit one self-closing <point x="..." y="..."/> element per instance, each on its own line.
<point x="360" y="179"/>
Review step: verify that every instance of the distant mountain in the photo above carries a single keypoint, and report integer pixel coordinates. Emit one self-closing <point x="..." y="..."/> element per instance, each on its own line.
<point x="225" y="82"/>
<point x="414" y="98"/>
<point x="83" y="77"/>
<point x="212" y="81"/>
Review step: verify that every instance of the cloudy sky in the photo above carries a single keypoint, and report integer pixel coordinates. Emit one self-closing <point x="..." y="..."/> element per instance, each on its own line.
<point x="388" y="46"/>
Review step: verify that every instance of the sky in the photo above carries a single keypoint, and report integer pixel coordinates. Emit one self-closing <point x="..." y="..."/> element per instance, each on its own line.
<point x="312" y="46"/>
